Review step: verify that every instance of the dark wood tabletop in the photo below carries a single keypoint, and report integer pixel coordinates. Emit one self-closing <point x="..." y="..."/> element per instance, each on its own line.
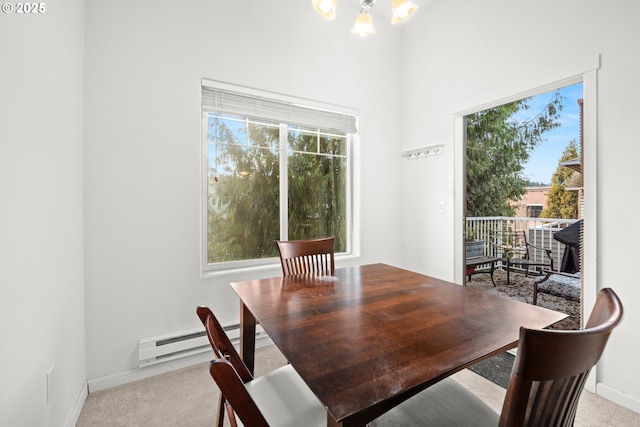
<point x="369" y="337"/>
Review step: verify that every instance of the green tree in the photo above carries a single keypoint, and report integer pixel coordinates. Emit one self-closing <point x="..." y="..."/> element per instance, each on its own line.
<point x="316" y="196"/>
<point x="243" y="211"/>
<point x="562" y="203"/>
<point x="498" y="146"/>
<point x="243" y="205"/>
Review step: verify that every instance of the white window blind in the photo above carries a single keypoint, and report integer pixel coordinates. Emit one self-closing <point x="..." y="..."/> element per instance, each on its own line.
<point x="225" y="101"/>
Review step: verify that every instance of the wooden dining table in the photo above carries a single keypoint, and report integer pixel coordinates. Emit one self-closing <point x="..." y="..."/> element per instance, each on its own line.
<point x="369" y="337"/>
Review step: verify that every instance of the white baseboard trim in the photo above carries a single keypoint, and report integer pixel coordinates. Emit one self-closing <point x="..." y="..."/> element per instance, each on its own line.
<point x="72" y="418"/>
<point x="618" y="398"/>
<point x="120" y="378"/>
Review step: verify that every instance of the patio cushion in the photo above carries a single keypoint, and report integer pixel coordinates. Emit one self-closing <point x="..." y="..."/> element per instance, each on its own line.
<point x="562" y="286"/>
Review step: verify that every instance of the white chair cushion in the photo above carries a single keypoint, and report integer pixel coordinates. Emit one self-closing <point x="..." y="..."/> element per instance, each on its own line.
<point x="285" y="400"/>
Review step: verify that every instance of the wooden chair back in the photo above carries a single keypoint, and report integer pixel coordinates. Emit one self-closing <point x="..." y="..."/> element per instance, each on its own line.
<point x="307" y="256"/>
<point x="551" y="368"/>
<point x="232" y="388"/>
<point x="225" y="352"/>
<point x="221" y="343"/>
<point x="281" y="394"/>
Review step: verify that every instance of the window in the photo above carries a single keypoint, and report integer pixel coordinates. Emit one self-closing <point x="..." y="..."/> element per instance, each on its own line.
<point x="534" y="211"/>
<point x="275" y="169"/>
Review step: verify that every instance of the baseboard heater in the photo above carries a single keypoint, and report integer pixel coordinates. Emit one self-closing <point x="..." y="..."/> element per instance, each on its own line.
<point x="177" y="345"/>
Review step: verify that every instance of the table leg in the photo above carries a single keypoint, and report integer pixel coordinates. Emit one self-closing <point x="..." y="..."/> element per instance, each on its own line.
<point x="493" y="266"/>
<point x="247" y="337"/>
<point x="333" y="423"/>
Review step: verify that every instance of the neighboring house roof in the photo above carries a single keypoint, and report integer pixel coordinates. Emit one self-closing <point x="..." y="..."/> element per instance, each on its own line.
<point x="576" y="182"/>
<point x="574" y="164"/>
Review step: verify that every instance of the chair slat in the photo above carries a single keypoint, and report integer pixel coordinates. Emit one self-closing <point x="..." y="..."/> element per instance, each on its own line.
<point x="315" y="256"/>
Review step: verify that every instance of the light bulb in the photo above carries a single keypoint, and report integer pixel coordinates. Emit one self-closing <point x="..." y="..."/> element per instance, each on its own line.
<point x="364" y="25"/>
<point x="326" y="8"/>
<point x="402" y="9"/>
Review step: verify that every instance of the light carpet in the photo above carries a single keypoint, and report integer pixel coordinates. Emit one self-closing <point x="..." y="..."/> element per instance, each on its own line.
<point x="188" y="398"/>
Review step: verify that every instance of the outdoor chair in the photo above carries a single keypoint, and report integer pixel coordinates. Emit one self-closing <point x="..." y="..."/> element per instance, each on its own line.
<point x="279" y="398"/>
<point x="563" y="285"/>
<point x="306" y="256"/>
<point x="515" y="251"/>
<point x="548" y="376"/>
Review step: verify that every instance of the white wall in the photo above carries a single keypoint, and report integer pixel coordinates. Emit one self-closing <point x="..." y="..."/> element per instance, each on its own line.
<point x="463" y="54"/>
<point x="41" y="227"/>
<point x="144" y="63"/>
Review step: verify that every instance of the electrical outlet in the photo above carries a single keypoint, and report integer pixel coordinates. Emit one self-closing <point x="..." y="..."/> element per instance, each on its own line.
<point x="441" y="207"/>
<point x="51" y="383"/>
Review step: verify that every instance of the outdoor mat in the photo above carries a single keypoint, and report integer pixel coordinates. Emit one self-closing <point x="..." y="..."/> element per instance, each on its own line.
<point x="496" y="369"/>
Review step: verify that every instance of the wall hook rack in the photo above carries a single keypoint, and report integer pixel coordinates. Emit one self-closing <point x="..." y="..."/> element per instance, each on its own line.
<point x="416" y="153"/>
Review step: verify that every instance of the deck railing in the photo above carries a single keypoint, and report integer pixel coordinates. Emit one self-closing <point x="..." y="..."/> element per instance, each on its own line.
<point x="539" y="233"/>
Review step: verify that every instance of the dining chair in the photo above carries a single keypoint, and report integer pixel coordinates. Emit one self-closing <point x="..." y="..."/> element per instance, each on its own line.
<point x="548" y="376"/>
<point x="306" y="256"/>
<point x="280" y="398"/>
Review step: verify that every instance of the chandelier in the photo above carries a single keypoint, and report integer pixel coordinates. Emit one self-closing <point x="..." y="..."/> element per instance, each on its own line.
<point x="402" y="9"/>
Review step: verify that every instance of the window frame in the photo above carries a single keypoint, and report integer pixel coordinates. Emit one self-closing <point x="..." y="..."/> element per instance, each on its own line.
<point x="352" y="201"/>
<point x="531" y="208"/>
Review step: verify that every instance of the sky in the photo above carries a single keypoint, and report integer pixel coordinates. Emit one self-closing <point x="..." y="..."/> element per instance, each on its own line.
<point x="544" y="159"/>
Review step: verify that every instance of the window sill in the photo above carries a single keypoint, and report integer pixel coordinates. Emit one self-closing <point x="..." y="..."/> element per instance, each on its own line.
<point x="207" y="274"/>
